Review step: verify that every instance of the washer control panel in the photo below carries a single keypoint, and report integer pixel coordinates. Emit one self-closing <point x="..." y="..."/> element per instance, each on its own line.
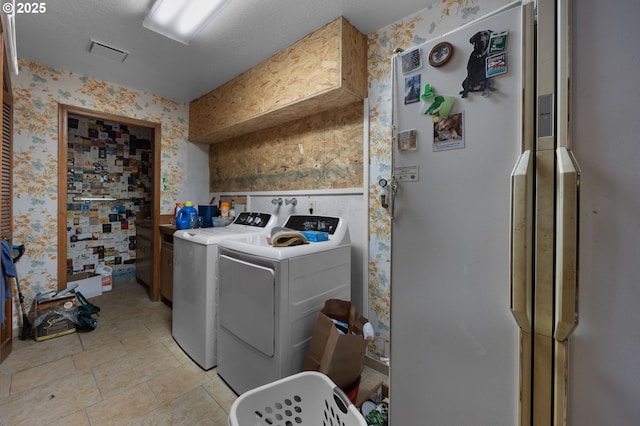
<point x="259" y="220"/>
<point x="313" y="223"/>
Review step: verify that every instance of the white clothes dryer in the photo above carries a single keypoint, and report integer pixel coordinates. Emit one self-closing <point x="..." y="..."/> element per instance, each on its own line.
<point x="270" y="298"/>
<point x="195" y="259"/>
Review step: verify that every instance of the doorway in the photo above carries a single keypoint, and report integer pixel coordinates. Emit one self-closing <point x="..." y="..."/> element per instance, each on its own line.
<point x="108" y="177"/>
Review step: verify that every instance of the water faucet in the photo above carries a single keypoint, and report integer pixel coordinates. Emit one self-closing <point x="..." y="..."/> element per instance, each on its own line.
<point x="292" y="201"/>
<point x="277" y="201"/>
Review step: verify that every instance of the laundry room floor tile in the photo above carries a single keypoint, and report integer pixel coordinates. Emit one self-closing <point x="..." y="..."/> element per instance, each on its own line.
<point x="41" y="374"/>
<point x="79" y="418"/>
<point x="177" y="382"/>
<point x="46" y="403"/>
<point x="195" y="407"/>
<point x="129" y="370"/>
<point x="124" y="407"/>
<point x="99" y="355"/>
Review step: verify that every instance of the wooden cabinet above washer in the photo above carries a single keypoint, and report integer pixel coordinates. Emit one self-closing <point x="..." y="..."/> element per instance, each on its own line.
<point x="326" y="69"/>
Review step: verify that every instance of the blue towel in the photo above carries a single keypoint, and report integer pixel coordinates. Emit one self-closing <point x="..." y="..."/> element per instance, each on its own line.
<point x="8" y="270"/>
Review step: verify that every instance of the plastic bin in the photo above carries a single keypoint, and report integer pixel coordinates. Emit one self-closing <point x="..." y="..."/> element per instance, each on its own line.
<point x="308" y="398"/>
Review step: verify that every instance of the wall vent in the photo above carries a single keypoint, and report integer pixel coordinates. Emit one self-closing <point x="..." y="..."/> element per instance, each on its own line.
<point x="106" y="51"/>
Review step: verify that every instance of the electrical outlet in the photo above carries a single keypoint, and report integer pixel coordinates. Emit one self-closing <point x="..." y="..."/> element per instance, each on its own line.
<point x="312" y="207"/>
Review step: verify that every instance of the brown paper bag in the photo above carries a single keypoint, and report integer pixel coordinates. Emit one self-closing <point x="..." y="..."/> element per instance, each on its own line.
<point x="339" y="356"/>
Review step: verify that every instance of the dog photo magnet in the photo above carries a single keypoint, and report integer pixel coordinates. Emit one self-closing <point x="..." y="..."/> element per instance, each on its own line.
<point x="476" y="79"/>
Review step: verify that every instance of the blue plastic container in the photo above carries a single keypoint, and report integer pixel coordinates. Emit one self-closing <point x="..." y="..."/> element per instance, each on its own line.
<point x="315" y="236"/>
<point x="187" y="217"/>
<point x="207" y="213"/>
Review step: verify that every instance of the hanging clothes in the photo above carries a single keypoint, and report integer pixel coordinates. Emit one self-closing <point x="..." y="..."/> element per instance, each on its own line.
<point x="8" y="270"/>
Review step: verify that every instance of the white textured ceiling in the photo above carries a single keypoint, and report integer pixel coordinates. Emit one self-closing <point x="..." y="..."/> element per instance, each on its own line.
<point x="241" y="36"/>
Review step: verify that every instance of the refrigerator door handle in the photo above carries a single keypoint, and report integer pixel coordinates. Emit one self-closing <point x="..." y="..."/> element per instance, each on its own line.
<point x="393" y="189"/>
<point x="521" y="262"/>
<point x="566" y="279"/>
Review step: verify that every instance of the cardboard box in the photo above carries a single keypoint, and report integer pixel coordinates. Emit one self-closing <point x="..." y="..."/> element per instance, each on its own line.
<point x="51" y="318"/>
<point x="89" y="283"/>
<point x="377" y="394"/>
<point x="339" y="356"/>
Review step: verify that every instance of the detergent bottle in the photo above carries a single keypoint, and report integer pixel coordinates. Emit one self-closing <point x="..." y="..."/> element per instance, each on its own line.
<point x="187" y="216"/>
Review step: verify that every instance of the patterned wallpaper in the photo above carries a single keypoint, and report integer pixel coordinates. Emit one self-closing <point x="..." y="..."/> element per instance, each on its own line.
<point x="438" y="18"/>
<point x="37" y="91"/>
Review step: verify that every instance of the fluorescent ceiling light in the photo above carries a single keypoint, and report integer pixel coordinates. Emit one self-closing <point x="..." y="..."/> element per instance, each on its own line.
<point x="181" y="20"/>
<point x="9" y="27"/>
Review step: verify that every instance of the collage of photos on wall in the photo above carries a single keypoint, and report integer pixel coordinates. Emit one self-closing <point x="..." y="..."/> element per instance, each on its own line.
<point x="109" y="186"/>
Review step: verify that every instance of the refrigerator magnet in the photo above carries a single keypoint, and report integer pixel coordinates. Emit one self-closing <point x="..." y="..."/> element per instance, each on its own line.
<point x="448" y="133"/>
<point x="438" y="107"/>
<point x="476" y="79"/>
<point x="496" y="65"/>
<point x="411" y="61"/>
<point x="407" y="140"/>
<point x="412" y="89"/>
<point x="410" y="173"/>
<point x="440" y="54"/>
<point x="498" y="42"/>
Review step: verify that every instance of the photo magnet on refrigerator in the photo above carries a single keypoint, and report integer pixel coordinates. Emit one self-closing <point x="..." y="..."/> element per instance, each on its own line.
<point x="411" y="61"/>
<point x="412" y="89"/>
<point x="448" y="133"/>
<point x="476" y="80"/>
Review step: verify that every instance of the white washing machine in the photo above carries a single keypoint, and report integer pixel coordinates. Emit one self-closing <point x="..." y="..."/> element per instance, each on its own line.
<point x="270" y="298"/>
<point x="195" y="258"/>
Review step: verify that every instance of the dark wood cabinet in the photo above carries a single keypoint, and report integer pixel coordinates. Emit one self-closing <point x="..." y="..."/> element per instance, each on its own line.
<point x="144" y="252"/>
<point x="166" y="262"/>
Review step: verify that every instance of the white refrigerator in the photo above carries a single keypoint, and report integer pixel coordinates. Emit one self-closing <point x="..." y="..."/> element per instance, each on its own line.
<point x="483" y="199"/>
<point x="604" y="383"/>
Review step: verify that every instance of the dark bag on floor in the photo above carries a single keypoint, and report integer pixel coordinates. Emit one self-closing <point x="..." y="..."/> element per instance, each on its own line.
<point x="85" y="310"/>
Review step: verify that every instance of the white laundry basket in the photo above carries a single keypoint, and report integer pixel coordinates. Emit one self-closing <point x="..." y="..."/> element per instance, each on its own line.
<point x="308" y="398"/>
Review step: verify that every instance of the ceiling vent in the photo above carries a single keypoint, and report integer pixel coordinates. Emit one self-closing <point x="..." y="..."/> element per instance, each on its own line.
<point x="110" y="52"/>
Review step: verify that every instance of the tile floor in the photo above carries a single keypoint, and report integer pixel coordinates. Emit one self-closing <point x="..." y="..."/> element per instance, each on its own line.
<point x="127" y="371"/>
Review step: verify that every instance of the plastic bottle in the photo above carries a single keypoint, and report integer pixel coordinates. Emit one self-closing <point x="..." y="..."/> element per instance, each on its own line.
<point x="187" y="217"/>
<point x="105" y="271"/>
<point x="224" y="210"/>
<point x="182" y="219"/>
